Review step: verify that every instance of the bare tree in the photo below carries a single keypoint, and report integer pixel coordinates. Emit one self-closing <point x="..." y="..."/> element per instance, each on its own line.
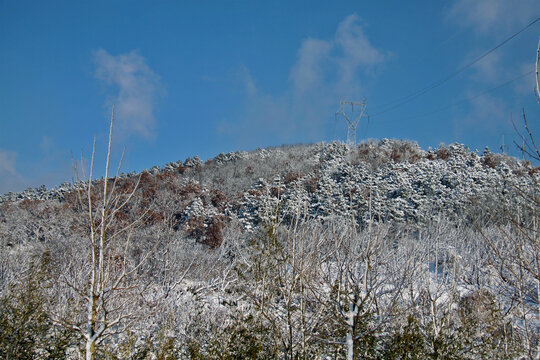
<point x="359" y="284"/>
<point x="278" y="279"/>
<point x="537" y="73"/>
<point x="103" y="286"/>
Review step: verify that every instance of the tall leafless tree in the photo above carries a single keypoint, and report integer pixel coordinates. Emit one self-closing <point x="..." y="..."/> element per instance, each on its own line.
<point x="104" y="286"/>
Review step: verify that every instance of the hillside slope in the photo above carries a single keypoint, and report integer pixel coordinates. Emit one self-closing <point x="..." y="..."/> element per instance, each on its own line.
<point x="377" y="251"/>
<point x="389" y="180"/>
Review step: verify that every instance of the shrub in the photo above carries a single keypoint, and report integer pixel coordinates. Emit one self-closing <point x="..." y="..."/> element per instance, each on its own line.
<point x="190" y="189"/>
<point x="195" y="227"/>
<point x="26" y="329"/>
<point x="311" y="184"/>
<point x="126" y="186"/>
<point x="292" y="176"/>
<point x="443" y="152"/>
<point x="214" y="231"/>
<point x="406" y="343"/>
<point x="218" y="199"/>
<point x="276" y="191"/>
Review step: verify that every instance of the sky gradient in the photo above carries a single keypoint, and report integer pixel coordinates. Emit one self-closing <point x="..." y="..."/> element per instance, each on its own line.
<point x="201" y="78"/>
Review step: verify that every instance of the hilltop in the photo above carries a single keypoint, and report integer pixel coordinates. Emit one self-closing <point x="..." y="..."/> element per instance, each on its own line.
<point x="387" y="181"/>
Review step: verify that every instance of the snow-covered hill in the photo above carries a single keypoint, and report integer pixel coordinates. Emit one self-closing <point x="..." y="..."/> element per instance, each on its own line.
<point x="389" y="180"/>
<point x="288" y="251"/>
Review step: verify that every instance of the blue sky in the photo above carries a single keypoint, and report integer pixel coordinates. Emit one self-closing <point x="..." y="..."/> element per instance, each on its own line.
<point x="204" y="77"/>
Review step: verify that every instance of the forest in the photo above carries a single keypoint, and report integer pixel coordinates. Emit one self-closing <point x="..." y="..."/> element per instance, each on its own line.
<point x="379" y="250"/>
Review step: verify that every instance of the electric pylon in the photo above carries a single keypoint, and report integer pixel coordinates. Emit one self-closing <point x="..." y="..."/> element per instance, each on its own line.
<point x="352" y="121"/>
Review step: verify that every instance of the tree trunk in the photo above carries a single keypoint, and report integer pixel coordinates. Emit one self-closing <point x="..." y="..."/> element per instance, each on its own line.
<point x="90" y="349"/>
<point x="351" y="316"/>
<point x="91" y="330"/>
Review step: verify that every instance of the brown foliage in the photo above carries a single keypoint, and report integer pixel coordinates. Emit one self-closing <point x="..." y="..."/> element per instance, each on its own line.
<point x="363" y="150"/>
<point x="153" y="217"/>
<point x="168" y="180"/>
<point x="122" y="217"/>
<point x="126" y="186"/>
<point x="276" y="191"/>
<point x="166" y="177"/>
<point x="214" y="231"/>
<point x="254" y="192"/>
<point x="218" y="198"/>
<point x="191" y="188"/>
<point x="30" y="205"/>
<point x="181" y="169"/>
<point x="443" y="153"/>
<point x="396" y="155"/>
<point x="311" y="184"/>
<point x="149" y="193"/>
<point x="405" y="152"/>
<point x="478" y="307"/>
<point x="146" y="179"/>
<point x="292" y="176"/>
<point x="195" y="227"/>
<point x="491" y="160"/>
<point x="431" y="155"/>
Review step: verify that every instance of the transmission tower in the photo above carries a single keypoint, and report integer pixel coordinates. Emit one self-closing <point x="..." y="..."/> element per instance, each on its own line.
<point x="354" y="119"/>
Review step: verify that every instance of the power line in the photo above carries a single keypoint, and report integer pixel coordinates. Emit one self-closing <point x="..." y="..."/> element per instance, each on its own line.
<point x="403" y="100"/>
<point x="467" y="99"/>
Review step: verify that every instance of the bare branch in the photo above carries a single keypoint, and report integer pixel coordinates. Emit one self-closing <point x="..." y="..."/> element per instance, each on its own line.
<point x="537" y="92"/>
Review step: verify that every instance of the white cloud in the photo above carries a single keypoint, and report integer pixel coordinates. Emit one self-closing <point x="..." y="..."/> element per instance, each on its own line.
<point x="325" y="69"/>
<point x="248" y="82"/>
<point x="492" y="16"/>
<point x="335" y="63"/>
<point x="356" y="48"/>
<point x="47" y="144"/>
<point x="7" y="162"/>
<point x="491" y="21"/>
<point x="136" y="87"/>
<point x="488" y="114"/>
<point x="498" y="68"/>
<point x="489" y="69"/>
<point x="10" y="179"/>
<point x="307" y="72"/>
